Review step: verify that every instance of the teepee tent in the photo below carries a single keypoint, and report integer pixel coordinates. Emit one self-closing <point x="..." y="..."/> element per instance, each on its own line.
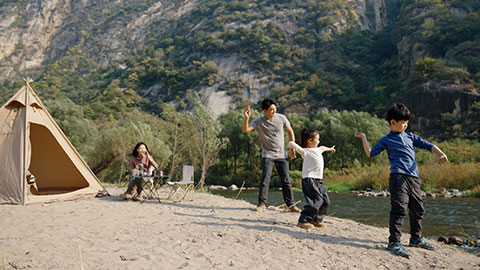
<point x="32" y="144"/>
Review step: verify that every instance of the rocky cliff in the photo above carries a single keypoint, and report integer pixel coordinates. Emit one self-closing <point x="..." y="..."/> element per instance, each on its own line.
<point x="433" y="98"/>
<point x="370" y="15"/>
<point x="26" y="33"/>
<point x="443" y="94"/>
<point x="35" y="34"/>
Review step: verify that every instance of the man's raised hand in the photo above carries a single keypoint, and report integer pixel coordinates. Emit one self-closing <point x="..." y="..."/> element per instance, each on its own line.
<point x="247" y="112"/>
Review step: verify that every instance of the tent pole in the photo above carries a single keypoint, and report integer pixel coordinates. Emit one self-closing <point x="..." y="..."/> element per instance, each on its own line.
<point x="24" y="169"/>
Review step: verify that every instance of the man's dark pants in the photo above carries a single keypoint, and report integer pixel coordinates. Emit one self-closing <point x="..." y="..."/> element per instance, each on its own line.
<point x="405" y="193"/>
<point x="316" y="196"/>
<point x="282" y="170"/>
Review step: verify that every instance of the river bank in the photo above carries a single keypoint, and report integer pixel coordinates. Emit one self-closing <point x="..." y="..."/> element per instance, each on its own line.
<point x="204" y="231"/>
<point x="454" y="220"/>
<point x="440" y="193"/>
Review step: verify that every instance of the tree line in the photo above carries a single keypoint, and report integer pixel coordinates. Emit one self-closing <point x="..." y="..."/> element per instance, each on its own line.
<point x="186" y="133"/>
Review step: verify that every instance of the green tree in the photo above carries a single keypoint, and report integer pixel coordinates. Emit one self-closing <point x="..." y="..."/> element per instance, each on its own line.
<point x="116" y="139"/>
<point x="174" y="128"/>
<point x="425" y="69"/>
<point x="205" y="140"/>
<point x="337" y="128"/>
<point x="81" y="131"/>
<point x="8" y="89"/>
<point x="241" y="147"/>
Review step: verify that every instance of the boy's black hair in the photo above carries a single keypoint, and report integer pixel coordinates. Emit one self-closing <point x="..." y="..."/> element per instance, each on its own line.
<point x="135" y="152"/>
<point x="266" y="103"/>
<point x="398" y="112"/>
<point x="306" y="135"/>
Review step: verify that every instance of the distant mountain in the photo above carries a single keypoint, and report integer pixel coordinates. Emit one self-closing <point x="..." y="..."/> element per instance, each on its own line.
<point x="337" y="54"/>
<point x="36" y="34"/>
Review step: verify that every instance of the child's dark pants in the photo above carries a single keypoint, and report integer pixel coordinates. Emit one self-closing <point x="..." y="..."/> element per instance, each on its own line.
<point x="405" y="193"/>
<point x="317" y="199"/>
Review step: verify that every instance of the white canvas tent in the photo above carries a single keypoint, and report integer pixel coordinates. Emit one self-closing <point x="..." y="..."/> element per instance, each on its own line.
<point x="32" y="143"/>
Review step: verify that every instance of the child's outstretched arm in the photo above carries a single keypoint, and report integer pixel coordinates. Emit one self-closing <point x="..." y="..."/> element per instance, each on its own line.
<point x="291" y="138"/>
<point x="295" y="147"/>
<point x="442" y="158"/>
<point x="330" y="149"/>
<point x="366" y="145"/>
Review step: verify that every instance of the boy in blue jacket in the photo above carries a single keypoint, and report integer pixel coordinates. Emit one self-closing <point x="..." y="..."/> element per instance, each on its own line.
<point x="404" y="184"/>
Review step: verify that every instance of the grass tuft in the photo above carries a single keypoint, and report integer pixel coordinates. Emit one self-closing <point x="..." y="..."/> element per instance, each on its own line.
<point x="474" y="193"/>
<point x="459" y="176"/>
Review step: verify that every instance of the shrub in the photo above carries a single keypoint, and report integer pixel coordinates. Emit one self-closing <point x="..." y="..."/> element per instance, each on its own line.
<point x="460" y="176"/>
<point x="463" y="176"/>
<point x="474" y="193"/>
<point x="338" y="187"/>
<point x="375" y="177"/>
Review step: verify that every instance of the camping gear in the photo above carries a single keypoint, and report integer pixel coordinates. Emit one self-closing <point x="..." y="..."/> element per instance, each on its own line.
<point x="33" y="145"/>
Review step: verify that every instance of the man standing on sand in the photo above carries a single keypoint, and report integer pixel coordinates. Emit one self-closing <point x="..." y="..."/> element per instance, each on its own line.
<point x="270" y="128"/>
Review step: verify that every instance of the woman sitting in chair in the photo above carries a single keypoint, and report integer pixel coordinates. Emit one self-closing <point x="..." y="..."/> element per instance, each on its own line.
<point x="142" y="164"/>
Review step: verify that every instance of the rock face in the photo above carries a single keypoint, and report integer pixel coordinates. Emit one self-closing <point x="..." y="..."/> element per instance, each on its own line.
<point x="37" y="33"/>
<point x="233" y="68"/>
<point x="26" y="33"/>
<point x="372" y="14"/>
<point x="410" y="46"/>
<point x="435" y="97"/>
<point x="409" y="52"/>
<point x="34" y="34"/>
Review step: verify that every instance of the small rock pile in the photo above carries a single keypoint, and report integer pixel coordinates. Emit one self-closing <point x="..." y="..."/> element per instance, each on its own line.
<point x="444" y="193"/>
<point x="469" y="244"/>
<point x="218" y="187"/>
<point x="441" y="193"/>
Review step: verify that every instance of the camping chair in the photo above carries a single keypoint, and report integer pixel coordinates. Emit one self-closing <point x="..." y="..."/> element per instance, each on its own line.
<point x="187" y="183"/>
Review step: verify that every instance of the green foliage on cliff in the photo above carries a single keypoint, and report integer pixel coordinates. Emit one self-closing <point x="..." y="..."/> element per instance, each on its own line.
<point x="313" y="49"/>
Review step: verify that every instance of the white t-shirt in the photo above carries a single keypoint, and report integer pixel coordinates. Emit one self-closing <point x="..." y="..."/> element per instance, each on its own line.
<point x="312" y="160"/>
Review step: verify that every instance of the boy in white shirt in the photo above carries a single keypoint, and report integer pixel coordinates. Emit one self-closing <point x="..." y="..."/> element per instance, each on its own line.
<point x="313" y="187"/>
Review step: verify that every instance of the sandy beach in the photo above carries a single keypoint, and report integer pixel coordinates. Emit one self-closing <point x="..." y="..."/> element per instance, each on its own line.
<point x="204" y="231"/>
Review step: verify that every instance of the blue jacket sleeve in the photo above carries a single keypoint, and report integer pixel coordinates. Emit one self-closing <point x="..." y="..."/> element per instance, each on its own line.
<point x="377" y="148"/>
<point x="421" y="143"/>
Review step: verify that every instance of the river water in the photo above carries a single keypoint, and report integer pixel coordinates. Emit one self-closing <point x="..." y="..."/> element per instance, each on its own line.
<point x="443" y="217"/>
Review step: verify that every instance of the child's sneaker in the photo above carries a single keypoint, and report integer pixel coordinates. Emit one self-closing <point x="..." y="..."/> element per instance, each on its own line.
<point x="307" y="226"/>
<point x="398" y="249"/>
<point x="318" y="224"/>
<point x="420" y="243"/>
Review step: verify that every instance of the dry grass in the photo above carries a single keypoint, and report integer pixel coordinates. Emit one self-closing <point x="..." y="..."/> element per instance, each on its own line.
<point x="460" y="176"/>
<point x="474" y="193"/>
